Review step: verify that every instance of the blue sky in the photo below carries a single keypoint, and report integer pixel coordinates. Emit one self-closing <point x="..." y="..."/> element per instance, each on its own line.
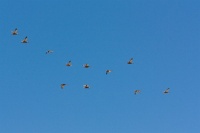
<point x="161" y="35"/>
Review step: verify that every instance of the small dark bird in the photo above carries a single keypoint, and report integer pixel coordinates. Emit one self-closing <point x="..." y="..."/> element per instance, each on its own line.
<point x="49" y="51"/>
<point x="86" y="86"/>
<point x="62" y="86"/>
<point x="130" y="61"/>
<point x="15" y="32"/>
<point x="69" y="63"/>
<point x="166" y="91"/>
<point x="108" y="71"/>
<point x="25" y="40"/>
<point x="86" y="66"/>
<point x="137" y="91"/>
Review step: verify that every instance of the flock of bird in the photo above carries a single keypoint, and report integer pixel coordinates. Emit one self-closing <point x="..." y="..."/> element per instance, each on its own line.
<point x="86" y="86"/>
<point x="15" y="32"/>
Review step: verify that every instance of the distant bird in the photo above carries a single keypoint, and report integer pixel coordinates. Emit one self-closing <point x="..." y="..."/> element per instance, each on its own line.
<point x="166" y="91"/>
<point x="49" y="51"/>
<point x="62" y="86"/>
<point x="69" y="63"/>
<point x="137" y="91"/>
<point x="130" y="61"/>
<point x="108" y="71"/>
<point x="15" y="32"/>
<point x="86" y="66"/>
<point x="25" y="40"/>
<point x="86" y="86"/>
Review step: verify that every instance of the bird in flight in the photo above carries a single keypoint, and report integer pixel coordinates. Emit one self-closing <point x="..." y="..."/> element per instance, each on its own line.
<point x="137" y="91"/>
<point x="69" y="63"/>
<point x="108" y="71"/>
<point x="62" y="86"/>
<point x="86" y="66"/>
<point x="130" y="61"/>
<point x="166" y="91"/>
<point x="15" y="32"/>
<point x="49" y="51"/>
<point x="86" y="86"/>
<point x="25" y="40"/>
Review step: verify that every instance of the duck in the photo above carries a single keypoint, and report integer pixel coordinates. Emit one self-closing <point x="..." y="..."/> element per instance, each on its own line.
<point x="25" y="40"/>
<point x="137" y="91"/>
<point x="62" y="86"/>
<point x="166" y="91"/>
<point x="86" y="66"/>
<point x="69" y="63"/>
<point x="49" y="51"/>
<point x="108" y="71"/>
<point x="130" y="61"/>
<point x="15" y="32"/>
<point x="86" y="86"/>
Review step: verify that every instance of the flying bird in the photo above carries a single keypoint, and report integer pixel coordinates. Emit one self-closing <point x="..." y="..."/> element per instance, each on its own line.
<point x="62" y="86"/>
<point x="69" y="63"/>
<point x="25" y="40"/>
<point x="49" y="51"/>
<point x="15" y="32"/>
<point x="86" y="86"/>
<point x="137" y="91"/>
<point x="108" y="71"/>
<point x="86" y="66"/>
<point x="130" y="61"/>
<point x="166" y="91"/>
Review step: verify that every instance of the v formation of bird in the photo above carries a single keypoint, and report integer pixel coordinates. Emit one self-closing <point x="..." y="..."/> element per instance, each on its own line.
<point x="86" y="86"/>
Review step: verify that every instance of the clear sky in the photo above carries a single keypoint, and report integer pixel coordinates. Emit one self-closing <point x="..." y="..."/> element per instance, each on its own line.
<point x="163" y="37"/>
